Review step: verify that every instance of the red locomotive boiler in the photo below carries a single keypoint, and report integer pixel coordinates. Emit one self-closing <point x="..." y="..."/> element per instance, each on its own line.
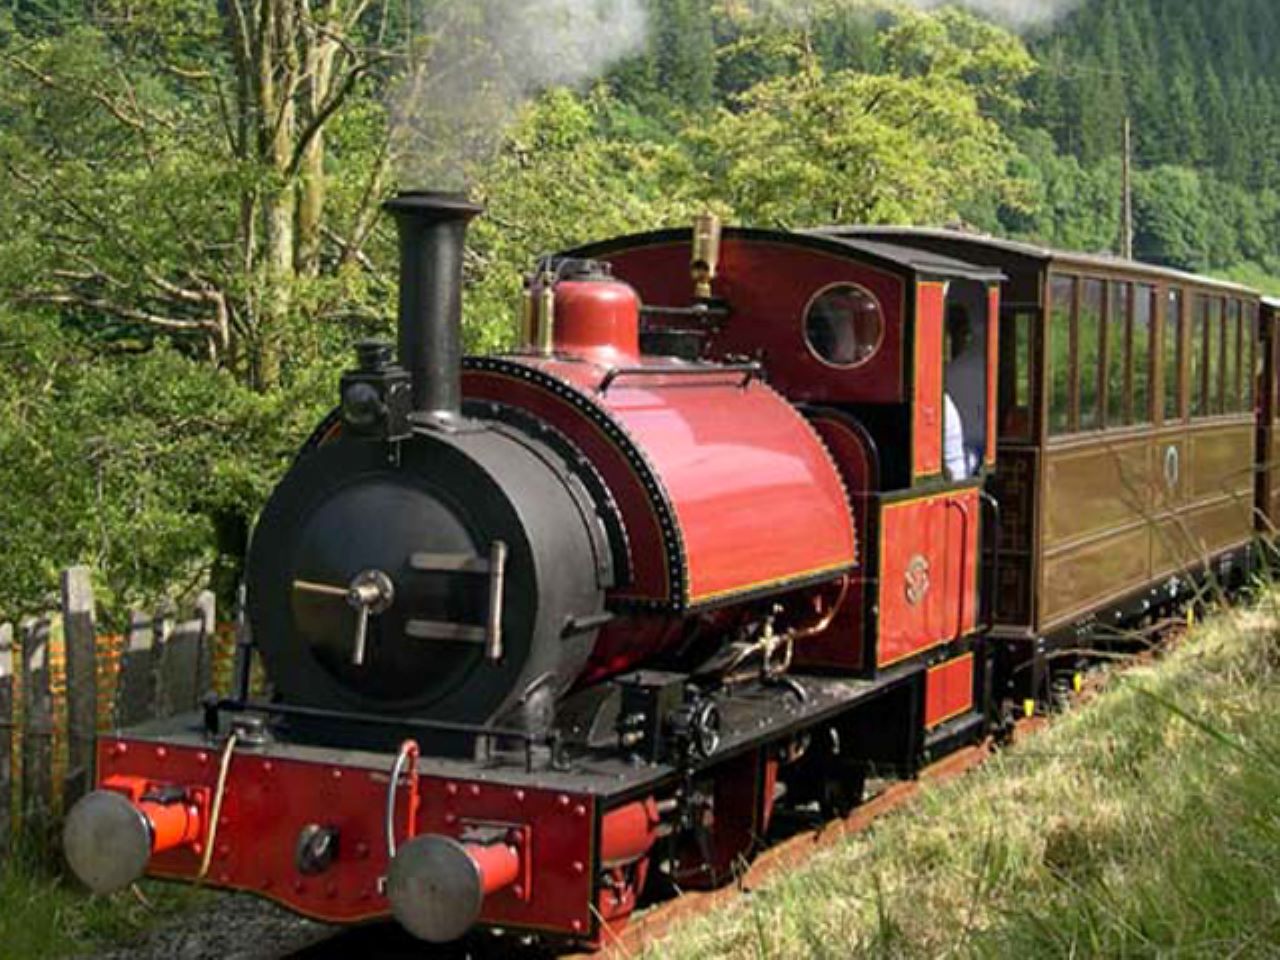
<point x="545" y="628"/>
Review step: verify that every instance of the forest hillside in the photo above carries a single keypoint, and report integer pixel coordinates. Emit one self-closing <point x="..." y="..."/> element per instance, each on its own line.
<point x="192" y="241"/>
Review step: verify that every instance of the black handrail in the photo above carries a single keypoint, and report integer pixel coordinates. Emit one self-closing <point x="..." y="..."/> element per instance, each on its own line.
<point x="701" y="311"/>
<point x="993" y="586"/>
<point x="214" y="707"/>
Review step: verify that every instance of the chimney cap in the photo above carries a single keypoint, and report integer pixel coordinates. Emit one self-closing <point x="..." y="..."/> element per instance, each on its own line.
<point x="432" y="204"/>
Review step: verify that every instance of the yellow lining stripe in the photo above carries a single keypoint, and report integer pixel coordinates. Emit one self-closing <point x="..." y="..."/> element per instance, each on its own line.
<point x="843" y="566"/>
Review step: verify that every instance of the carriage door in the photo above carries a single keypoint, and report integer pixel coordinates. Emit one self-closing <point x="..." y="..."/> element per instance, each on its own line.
<point x="1018" y="463"/>
<point x="1169" y="452"/>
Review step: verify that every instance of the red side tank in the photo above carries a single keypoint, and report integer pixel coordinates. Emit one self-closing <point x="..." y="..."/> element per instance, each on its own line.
<point x="726" y="492"/>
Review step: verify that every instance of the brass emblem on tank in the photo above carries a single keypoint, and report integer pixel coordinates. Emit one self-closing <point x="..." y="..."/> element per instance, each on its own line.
<point x="917" y="580"/>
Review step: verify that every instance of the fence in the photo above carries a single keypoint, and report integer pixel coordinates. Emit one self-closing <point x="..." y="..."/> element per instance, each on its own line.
<point x="60" y="682"/>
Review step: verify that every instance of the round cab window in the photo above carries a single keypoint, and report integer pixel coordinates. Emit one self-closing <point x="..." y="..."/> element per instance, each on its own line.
<point x="844" y="325"/>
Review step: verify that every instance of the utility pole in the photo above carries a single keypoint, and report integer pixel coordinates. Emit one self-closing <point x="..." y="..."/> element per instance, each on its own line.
<point x="1126" y="227"/>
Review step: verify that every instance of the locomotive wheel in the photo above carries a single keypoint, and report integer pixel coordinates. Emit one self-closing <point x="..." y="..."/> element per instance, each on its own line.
<point x="843" y="792"/>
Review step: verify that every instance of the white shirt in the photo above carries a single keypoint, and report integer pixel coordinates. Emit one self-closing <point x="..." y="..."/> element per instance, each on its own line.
<point x="967" y="385"/>
<point x="955" y="460"/>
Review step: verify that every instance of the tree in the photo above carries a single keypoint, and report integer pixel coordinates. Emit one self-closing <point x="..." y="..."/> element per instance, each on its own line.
<point x="684" y="51"/>
<point x="176" y="154"/>
<point x="1172" y="221"/>
<point x="850" y="147"/>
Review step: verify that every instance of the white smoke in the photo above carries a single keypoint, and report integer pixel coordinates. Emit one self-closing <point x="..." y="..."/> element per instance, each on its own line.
<point x="481" y="60"/>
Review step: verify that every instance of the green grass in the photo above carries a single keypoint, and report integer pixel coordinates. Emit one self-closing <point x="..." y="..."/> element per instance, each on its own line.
<point x="1145" y="824"/>
<point x="44" y="916"/>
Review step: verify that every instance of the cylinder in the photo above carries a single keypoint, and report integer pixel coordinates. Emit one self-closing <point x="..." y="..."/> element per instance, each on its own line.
<point x="629" y="833"/>
<point x="433" y="230"/>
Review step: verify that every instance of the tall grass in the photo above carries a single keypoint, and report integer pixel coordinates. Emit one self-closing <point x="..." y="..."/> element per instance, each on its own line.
<point x="1145" y="824"/>
<point x="43" y="915"/>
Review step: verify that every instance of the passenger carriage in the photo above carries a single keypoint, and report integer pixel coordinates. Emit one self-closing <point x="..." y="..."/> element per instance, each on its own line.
<point x="1126" y="436"/>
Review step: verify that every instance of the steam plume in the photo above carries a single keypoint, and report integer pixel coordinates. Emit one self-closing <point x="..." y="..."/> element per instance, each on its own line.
<point x="481" y="61"/>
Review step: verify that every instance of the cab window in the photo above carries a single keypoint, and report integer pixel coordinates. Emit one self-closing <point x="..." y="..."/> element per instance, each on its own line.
<point x="844" y="325"/>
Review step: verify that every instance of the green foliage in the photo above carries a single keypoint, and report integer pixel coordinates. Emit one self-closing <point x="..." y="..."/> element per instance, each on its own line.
<point x="850" y="147"/>
<point x="1198" y="78"/>
<point x="147" y="467"/>
<point x="955" y="46"/>
<point x="918" y="142"/>
<point x="684" y="50"/>
<point x="556" y="184"/>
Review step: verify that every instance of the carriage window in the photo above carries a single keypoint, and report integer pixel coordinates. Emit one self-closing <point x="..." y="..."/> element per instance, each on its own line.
<point x="1172" y="354"/>
<point x="1144" y="306"/>
<point x="1231" y="371"/>
<point x="844" y="325"/>
<point x="1215" y="344"/>
<point x="1064" y="299"/>
<point x="1015" y="375"/>
<point x="1118" y="345"/>
<point x="1198" y="364"/>
<point x="1089" y="353"/>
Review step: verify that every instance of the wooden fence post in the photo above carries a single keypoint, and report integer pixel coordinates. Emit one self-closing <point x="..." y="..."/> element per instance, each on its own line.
<point x="163" y="632"/>
<point x="81" y="637"/>
<point x="136" y="689"/>
<point x="180" y="667"/>
<point x="242" y="666"/>
<point x="6" y="738"/>
<point x="37" y="723"/>
<point x="207" y="614"/>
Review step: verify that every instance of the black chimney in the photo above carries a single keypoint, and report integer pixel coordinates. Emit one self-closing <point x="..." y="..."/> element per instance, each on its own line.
<point x="433" y="229"/>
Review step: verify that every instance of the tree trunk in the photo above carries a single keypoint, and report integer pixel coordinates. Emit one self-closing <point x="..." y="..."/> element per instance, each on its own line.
<point x="321" y="53"/>
<point x="276" y="288"/>
<point x="293" y="72"/>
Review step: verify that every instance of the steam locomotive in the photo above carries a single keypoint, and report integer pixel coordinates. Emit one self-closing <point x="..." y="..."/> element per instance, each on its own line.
<point x="543" y="629"/>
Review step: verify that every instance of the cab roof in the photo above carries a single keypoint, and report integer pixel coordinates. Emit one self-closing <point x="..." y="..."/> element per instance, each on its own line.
<point x="883" y="252"/>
